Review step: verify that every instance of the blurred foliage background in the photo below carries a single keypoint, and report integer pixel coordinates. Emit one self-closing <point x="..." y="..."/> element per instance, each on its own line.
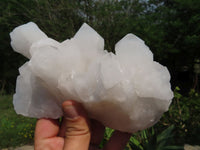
<point x="171" y="28"/>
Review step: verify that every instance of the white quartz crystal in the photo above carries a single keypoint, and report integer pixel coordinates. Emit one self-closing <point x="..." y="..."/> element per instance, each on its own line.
<point x="127" y="91"/>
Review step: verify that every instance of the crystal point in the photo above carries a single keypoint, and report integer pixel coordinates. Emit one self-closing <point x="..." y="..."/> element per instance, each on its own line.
<point x="128" y="91"/>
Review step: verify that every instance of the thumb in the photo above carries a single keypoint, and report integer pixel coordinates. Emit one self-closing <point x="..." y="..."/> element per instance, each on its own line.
<point x="76" y="126"/>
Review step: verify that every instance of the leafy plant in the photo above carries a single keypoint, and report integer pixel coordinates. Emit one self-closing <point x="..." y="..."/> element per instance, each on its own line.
<point x="152" y="141"/>
<point x="184" y="114"/>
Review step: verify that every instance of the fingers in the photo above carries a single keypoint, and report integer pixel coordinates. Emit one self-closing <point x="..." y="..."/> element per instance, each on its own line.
<point x="97" y="132"/>
<point x="45" y="135"/>
<point x="77" y="131"/>
<point x="62" y="128"/>
<point x="118" y="141"/>
<point x="46" y="128"/>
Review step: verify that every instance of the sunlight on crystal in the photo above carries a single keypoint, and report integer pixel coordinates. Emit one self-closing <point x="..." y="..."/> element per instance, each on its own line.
<point x="127" y="91"/>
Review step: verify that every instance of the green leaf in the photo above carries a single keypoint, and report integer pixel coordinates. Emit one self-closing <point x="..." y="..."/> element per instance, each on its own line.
<point x="166" y="134"/>
<point x="134" y="141"/>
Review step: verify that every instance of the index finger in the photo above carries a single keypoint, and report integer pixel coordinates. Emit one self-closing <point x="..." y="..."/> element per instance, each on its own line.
<point x="97" y="132"/>
<point x="46" y="128"/>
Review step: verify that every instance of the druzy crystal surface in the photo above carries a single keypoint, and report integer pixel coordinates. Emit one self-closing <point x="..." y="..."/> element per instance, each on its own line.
<point x="127" y="91"/>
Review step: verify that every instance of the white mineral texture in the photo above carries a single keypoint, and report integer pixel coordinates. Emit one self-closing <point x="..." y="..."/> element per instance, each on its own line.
<point x="127" y="91"/>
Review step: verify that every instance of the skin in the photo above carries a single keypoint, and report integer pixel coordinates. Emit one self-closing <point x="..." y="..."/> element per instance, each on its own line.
<point x="77" y="132"/>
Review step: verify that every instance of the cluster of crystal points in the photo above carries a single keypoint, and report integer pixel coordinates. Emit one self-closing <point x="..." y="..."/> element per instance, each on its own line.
<point x="127" y="91"/>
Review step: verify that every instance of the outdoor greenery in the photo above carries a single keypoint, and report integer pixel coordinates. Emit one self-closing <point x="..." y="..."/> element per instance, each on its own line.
<point x="171" y="28"/>
<point x="184" y="114"/>
<point x="15" y="130"/>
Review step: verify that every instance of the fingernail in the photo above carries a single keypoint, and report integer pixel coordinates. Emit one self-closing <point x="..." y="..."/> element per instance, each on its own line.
<point x="70" y="112"/>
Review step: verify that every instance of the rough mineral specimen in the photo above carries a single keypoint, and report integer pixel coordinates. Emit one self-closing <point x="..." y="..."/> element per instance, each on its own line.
<point x="127" y="91"/>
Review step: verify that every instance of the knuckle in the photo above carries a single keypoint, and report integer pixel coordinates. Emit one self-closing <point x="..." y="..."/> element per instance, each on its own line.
<point x="77" y="127"/>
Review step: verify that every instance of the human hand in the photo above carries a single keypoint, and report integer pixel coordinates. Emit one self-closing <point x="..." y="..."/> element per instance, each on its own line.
<point x="76" y="132"/>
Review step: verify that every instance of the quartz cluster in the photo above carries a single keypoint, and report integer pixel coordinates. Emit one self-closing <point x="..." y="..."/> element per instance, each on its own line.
<point x="127" y="91"/>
